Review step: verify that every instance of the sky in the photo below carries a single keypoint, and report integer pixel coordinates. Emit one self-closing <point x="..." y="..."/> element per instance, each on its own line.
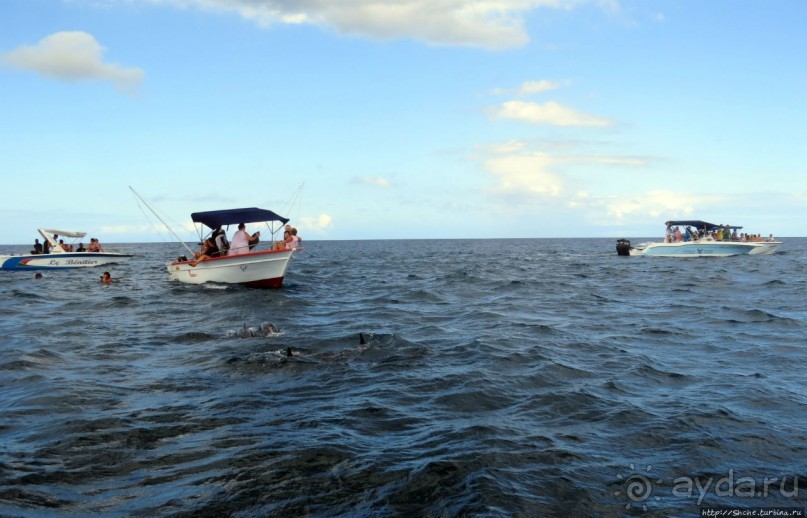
<point x="406" y="119"/>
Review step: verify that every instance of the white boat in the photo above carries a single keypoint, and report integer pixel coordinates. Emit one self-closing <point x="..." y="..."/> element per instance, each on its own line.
<point x="255" y="268"/>
<point x="58" y="257"/>
<point x="700" y="241"/>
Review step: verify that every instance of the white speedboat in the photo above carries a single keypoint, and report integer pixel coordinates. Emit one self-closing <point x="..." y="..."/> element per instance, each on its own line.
<point x="253" y="267"/>
<point x="701" y="239"/>
<point x="58" y="257"/>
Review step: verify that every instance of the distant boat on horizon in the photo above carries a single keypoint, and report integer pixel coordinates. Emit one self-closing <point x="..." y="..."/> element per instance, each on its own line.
<point x="705" y="240"/>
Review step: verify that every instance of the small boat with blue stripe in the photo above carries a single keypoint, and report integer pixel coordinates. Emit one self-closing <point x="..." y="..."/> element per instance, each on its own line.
<point x="59" y="256"/>
<point x="701" y="239"/>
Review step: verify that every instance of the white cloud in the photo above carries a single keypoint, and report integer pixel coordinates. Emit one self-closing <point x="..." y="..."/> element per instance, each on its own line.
<point x="550" y="113"/>
<point x="316" y="224"/>
<point x="627" y="161"/>
<point x="378" y="181"/>
<point x="656" y="203"/>
<point x="536" y="87"/>
<point x="492" y="24"/>
<point x="72" y="56"/>
<point x="529" y="88"/>
<point x="513" y="146"/>
<point x="525" y="175"/>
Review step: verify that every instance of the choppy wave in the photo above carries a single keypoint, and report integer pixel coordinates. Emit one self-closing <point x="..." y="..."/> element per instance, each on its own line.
<point x="495" y="378"/>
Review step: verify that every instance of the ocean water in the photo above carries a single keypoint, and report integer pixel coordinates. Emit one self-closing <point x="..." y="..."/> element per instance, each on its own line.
<point x="536" y="377"/>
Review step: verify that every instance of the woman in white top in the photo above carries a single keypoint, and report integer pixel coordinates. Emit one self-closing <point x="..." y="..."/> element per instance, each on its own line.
<point x="241" y="240"/>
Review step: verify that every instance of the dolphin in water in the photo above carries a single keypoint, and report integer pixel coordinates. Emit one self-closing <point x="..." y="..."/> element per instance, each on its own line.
<point x="266" y="329"/>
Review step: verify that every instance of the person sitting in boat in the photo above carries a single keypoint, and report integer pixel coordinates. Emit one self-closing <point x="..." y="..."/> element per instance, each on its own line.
<point x="81" y="248"/>
<point x="254" y="240"/>
<point x="37" y="247"/>
<point x="46" y="247"/>
<point x="286" y="243"/>
<point x="297" y="242"/>
<point x="66" y="248"/>
<point x="94" y="246"/>
<point x="208" y="250"/>
<point x="241" y="241"/>
<point x="214" y="246"/>
<point x="220" y="239"/>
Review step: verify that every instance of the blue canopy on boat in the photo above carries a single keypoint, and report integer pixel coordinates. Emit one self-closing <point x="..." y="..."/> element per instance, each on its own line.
<point x="697" y="224"/>
<point x="218" y="218"/>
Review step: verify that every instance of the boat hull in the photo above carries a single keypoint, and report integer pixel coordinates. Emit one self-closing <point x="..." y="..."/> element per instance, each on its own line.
<point x="705" y="249"/>
<point x="60" y="261"/>
<point x="765" y="247"/>
<point x="264" y="269"/>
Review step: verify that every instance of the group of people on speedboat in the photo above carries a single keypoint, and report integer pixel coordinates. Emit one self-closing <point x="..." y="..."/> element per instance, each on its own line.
<point x="44" y="248"/>
<point x="722" y="233"/>
<point x="217" y="244"/>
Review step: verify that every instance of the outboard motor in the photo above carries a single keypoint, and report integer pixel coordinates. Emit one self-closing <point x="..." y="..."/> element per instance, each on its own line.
<point x="622" y="247"/>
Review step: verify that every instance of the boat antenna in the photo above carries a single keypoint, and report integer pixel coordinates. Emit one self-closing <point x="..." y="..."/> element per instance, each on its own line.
<point x="161" y="220"/>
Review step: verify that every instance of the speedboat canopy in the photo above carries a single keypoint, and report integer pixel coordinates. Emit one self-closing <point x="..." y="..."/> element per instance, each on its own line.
<point x="698" y="224"/>
<point x="64" y="233"/>
<point x="217" y="218"/>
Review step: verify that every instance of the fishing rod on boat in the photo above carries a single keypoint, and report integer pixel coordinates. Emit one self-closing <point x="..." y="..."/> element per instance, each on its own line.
<point x="294" y="201"/>
<point x="161" y="220"/>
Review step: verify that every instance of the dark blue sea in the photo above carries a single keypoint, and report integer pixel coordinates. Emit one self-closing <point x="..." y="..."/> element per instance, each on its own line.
<point x="536" y="377"/>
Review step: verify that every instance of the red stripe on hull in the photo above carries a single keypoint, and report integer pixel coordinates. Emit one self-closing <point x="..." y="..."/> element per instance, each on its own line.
<point x="277" y="282"/>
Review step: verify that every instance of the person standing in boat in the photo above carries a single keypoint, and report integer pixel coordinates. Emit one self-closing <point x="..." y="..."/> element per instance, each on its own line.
<point x="242" y="240"/>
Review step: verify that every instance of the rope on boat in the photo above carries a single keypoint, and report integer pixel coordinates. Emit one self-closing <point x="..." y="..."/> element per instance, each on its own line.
<point x="150" y="208"/>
